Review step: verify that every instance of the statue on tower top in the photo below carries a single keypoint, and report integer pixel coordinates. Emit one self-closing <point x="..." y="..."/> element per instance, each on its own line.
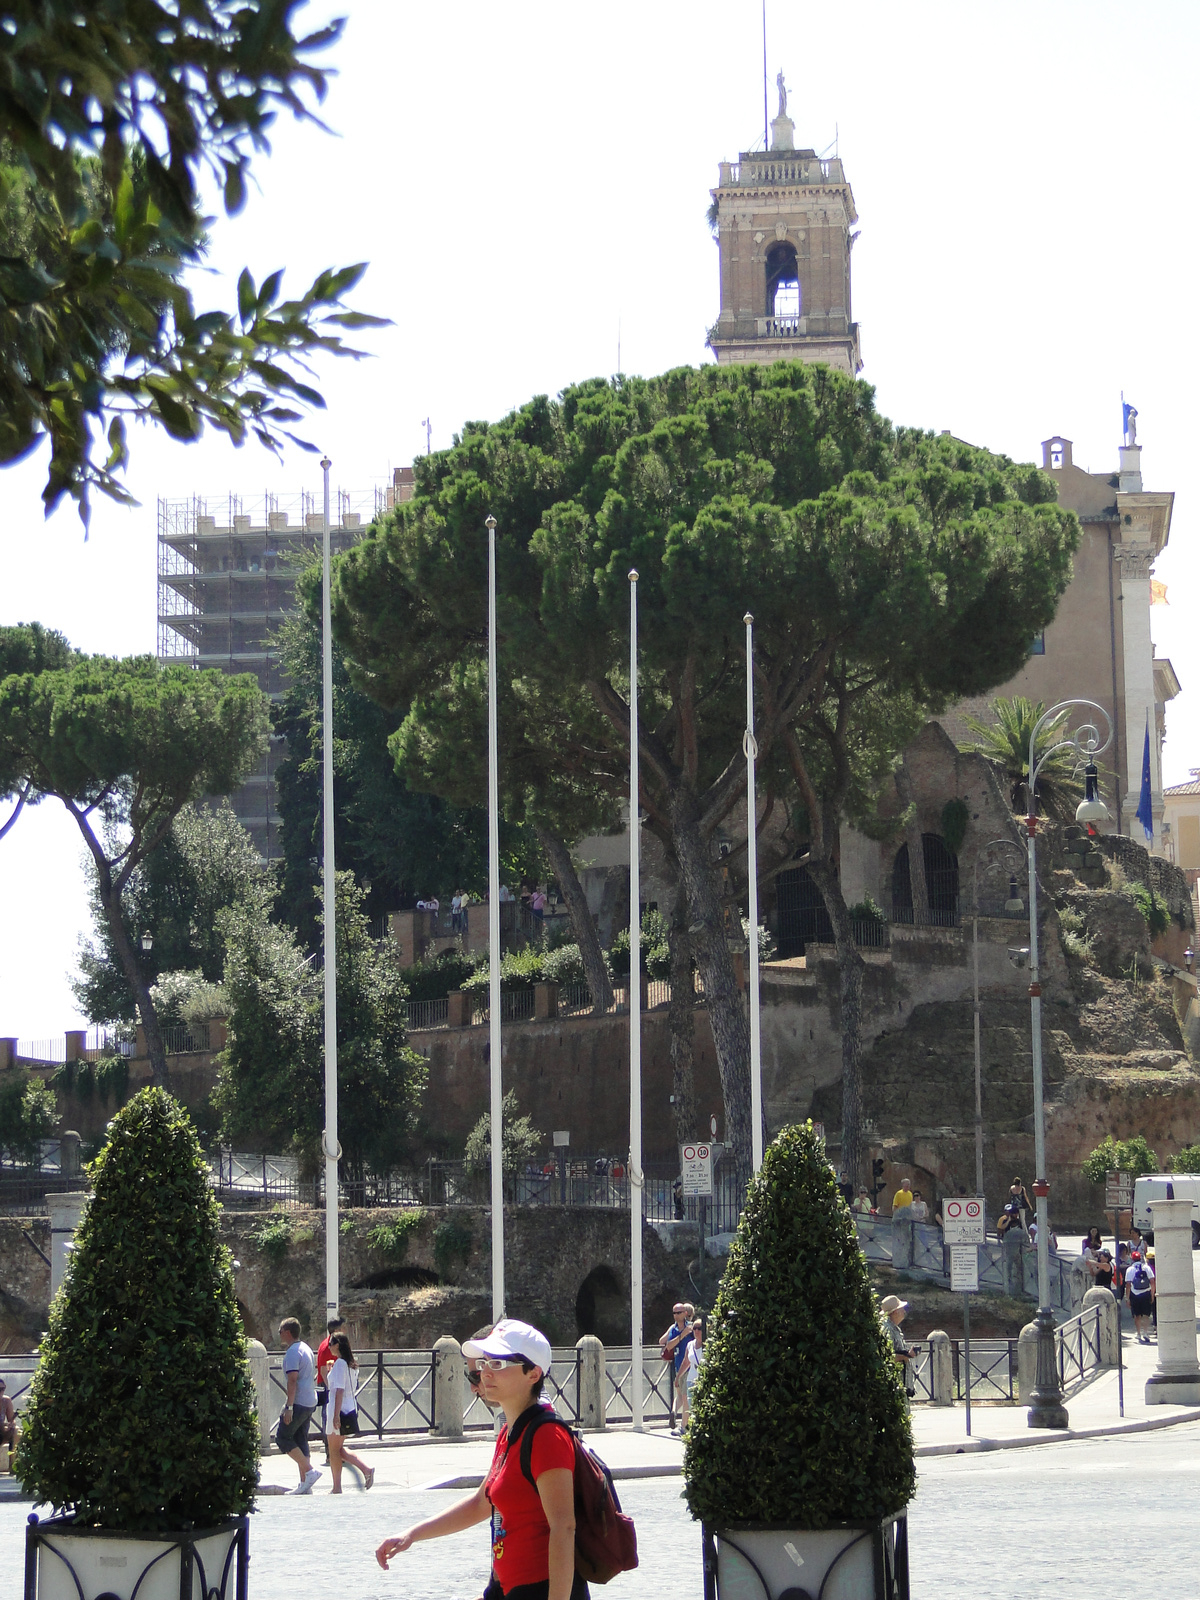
<point x="782" y="126"/>
<point x="782" y="87"/>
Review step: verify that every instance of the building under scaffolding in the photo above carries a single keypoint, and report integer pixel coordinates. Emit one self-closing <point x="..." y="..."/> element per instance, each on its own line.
<point x="227" y="571"/>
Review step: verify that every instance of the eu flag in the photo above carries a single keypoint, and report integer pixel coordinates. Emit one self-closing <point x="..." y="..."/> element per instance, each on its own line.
<point x="1145" y="810"/>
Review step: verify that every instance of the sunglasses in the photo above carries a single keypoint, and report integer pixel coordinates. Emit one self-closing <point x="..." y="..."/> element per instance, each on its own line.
<point x="473" y="1379"/>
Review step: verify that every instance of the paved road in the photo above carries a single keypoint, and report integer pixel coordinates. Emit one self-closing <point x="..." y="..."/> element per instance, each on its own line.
<point x="991" y="1527"/>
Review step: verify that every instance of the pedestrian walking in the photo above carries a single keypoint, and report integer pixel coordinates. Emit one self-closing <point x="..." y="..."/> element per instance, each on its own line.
<point x="918" y="1211"/>
<point x="1140" y="1292"/>
<point x="291" y="1431"/>
<point x="673" y="1345"/>
<point x="1093" y="1241"/>
<point x="325" y="1360"/>
<point x="694" y="1358"/>
<point x="902" y="1200"/>
<point x="533" y="1525"/>
<point x="861" y="1205"/>
<point x="456" y="912"/>
<point x="893" y="1311"/>
<point x="1016" y="1207"/>
<point x="341" y="1414"/>
<point x="8" y="1419"/>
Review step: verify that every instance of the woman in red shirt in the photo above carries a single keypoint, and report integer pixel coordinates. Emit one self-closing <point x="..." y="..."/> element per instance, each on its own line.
<point x="533" y="1529"/>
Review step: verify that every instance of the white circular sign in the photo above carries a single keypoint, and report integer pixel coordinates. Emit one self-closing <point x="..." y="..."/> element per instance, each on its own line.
<point x="974" y="1209"/>
<point x="689" y="1152"/>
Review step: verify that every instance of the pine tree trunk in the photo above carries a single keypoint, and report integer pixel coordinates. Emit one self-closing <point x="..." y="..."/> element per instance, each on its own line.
<point x="156" y="1048"/>
<point x="726" y="1006"/>
<point x="586" y="936"/>
<point x="850" y="973"/>
<point x="681" y="1022"/>
<point x="916" y="851"/>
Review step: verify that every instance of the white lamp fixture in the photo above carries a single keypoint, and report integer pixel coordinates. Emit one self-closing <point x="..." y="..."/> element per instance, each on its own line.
<point x="1091" y="810"/>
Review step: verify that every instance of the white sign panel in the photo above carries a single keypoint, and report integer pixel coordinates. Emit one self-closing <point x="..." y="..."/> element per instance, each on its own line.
<point x="1118" y="1190"/>
<point x="562" y="1136"/>
<point x="963" y="1221"/>
<point x="695" y="1166"/>
<point x="964" y="1268"/>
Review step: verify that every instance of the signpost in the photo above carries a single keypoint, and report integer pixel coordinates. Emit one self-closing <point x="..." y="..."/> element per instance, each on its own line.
<point x="696" y="1169"/>
<point x="562" y="1141"/>
<point x="1118" y="1197"/>
<point x="963" y="1223"/>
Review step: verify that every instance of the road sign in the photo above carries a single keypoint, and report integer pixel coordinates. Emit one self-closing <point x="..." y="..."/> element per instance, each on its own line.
<point x="819" y="1130"/>
<point x="964" y="1268"/>
<point x="1118" y="1191"/>
<point x="562" y="1136"/>
<point x="963" y="1221"/>
<point x="695" y="1167"/>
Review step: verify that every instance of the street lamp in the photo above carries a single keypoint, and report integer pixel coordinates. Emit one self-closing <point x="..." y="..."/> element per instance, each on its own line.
<point x="1047" y="1409"/>
<point x="1013" y="903"/>
<point x="147" y="941"/>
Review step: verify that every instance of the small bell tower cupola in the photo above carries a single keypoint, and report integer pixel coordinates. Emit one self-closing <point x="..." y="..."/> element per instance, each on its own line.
<point x="783" y="218"/>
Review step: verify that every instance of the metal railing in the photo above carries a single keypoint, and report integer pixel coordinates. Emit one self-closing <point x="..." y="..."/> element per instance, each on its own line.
<point x="395" y="1389"/>
<point x="186" y="1039"/>
<point x="994" y="1374"/>
<point x="1077" y="1348"/>
<point x="41" y="1052"/>
<point x="24" y="1194"/>
<point x="427" y="1014"/>
<point x="1002" y="1268"/>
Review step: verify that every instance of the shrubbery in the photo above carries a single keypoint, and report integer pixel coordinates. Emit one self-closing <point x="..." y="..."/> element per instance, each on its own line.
<point x="28" y="1114"/>
<point x="1120" y="1155"/>
<point x="142" y="1412"/>
<point x="520" y="1140"/>
<point x="656" y="956"/>
<point x="799" y="1415"/>
<point x="1188" y="1160"/>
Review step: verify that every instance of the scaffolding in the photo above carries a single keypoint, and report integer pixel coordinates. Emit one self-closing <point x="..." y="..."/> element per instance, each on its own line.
<point x="227" y="571"/>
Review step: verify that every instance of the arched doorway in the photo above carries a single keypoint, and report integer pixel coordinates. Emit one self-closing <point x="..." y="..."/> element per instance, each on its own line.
<point x="941" y="882"/>
<point x="602" y="1307"/>
<point x="783" y="281"/>
<point x="800" y="913"/>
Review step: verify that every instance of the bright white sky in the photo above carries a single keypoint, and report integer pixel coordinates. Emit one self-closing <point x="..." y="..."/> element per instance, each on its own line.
<point x="527" y="179"/>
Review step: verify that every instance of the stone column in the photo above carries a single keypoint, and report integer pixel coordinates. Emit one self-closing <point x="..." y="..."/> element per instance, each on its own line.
<point x="1176" y="1382"/>
<point x="941" y="1368"/>
<point x="66" y="1213"/>
<point x="458" y="1009"/>
<point x="68" y="1154"/>
<point x="1134" y="556"/>
<point x="449" y="1381"/>
<point x="1110" y="1322"/>
<point x="592" y="1408"/>
<point x="545" y="1001"/>
<point x="75" y="1043"/>
<point x="8" y="1052"/>
<point x="902" y="1243"/>
<point x="259" y="1363"/>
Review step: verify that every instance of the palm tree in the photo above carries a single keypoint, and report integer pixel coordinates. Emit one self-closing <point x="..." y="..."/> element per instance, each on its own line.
<point x="1005" y="743"/>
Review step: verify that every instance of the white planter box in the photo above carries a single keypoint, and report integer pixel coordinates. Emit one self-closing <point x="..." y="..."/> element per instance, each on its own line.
<point x="68" y="1563"/>
<point x="757" y="1562"/>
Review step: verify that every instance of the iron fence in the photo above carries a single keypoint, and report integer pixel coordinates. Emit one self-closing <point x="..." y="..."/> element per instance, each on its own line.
<point x="25" y="1196"/>
<point x="427" y="1014"/>
<point x="395" y="1389"/>
<point x="994" y="1374"/>
<point x="658" y="1378"/>
<point x="41" y="1052"/>
<point x="186" y="1039"/>
<point x="1077" y="1347"/>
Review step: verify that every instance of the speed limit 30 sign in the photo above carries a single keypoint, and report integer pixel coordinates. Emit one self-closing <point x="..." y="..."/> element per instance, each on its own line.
<point x="963" y="1221"/>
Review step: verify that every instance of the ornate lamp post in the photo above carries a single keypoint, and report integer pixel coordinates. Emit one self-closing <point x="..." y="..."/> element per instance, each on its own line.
<point x="1011" y="904"/>
<point x="1047" y="1409"/>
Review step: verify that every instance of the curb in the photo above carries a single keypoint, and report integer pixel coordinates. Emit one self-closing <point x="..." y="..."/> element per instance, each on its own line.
<point x="978" y="1446"/>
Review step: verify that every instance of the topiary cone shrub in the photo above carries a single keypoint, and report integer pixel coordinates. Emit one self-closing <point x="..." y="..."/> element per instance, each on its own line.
<point x="799" y="1415"/>
<point x="142" y="1413"/>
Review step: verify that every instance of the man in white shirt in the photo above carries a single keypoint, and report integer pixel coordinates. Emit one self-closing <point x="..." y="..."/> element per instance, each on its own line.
<point x="1139" y="1291"/>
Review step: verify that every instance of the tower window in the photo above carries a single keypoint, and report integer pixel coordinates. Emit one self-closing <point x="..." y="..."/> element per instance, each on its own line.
<point x="783" y="281"/>
<point x="1056" y="457"/>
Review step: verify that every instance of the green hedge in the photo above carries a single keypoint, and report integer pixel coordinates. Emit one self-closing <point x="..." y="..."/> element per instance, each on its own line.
<point x="799" y="1414"/>
<point x="142" y="1412"/>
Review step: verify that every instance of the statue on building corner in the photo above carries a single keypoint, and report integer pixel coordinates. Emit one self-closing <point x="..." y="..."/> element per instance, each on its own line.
<point x="1129" y="418"/>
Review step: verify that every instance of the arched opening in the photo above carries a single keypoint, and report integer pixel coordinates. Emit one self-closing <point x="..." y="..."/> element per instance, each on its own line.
<point x="800" y="913"/>
<point x="941" y="882"/>
<point x="400" y="1278"/>
<point x="783" y="281"/>
<point x="602" y="1307"/>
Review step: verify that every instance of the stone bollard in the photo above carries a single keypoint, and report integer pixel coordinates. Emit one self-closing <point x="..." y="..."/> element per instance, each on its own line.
<point x="66" y="1213"/>
<point x="76" y="1040"/>
<point x="449" y="1381"/>
<point x="259" y="1363"/>
<point x="1026" y="1363"/>
<point x="941" y="1368"/>
<point x="8" y="1052"/>
<point x="545" y="1001"/>
<point x="592" y="1410"/>
<point x="68" y="1154"/>
<point x="1014" y="1265"/>
<point x="458" y="1009"/>
<point x="1110" y="1322"/>
<point x="1176" y="1380"/>
<point x="902" y="1244"/>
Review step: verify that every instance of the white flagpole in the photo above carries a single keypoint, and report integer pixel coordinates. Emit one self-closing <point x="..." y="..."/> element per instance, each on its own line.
<point x="497" y="1096"/>
<point x="330" y="1139"/>
<point x="636" y="1175"/>
<point x="750" y="744"/>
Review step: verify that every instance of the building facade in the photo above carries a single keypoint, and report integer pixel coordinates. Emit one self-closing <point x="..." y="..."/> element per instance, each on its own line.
<point x="226" y="581"/>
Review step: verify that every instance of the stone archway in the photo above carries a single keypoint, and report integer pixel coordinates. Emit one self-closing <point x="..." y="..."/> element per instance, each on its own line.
<point x="602" y="1306"/>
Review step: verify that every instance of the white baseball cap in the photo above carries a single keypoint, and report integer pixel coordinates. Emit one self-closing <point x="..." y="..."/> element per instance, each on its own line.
<point x="512" y="1338"/>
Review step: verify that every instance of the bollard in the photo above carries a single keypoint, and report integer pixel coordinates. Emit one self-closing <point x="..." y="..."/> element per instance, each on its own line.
<point x="545" y="1001"/>
<point x="592" y="1410"/>
<point x="458" y="1009"/>
<point x="1110" y="1322"/>
<point x="68" y="1153"/>
<point x="1014" y="1265"/>
<point x="941" y="1368"/>
<point x="902" y="1244"/>
<point x="1026" y="1363"/>
<point x="449" y="1381"/>
<point x="1176" y="1380"/>
<point x="258" y="1362"/>
<point x="66" y="1213"/>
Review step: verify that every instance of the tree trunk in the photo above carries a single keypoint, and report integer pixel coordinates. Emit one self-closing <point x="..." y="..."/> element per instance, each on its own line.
<point x="916" y="850"/>
<point x="681" y="1021"/>
<point x="850" y="972"/>
<point x="110" y="899"/>
<point x="726" y="1007"/>
<point x="586" y="936"/>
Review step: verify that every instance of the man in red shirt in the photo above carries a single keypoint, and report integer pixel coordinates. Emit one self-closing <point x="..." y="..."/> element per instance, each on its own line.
<point x="533" y="1525"/>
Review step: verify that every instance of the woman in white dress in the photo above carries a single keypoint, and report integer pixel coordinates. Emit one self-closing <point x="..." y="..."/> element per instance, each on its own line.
<point x="341" y="1414"/>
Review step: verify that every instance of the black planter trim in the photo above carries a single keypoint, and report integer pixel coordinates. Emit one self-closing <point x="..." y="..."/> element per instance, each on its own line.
<point x="184" y="1540"/>
<point x="889" y="1538"/>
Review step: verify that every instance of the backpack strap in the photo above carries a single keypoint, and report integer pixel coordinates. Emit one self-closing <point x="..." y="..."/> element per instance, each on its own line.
<point x="538" y="1417"/>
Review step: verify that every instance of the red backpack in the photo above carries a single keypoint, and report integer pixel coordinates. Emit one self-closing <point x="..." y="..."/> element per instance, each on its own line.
<point x="605" y="1538"/>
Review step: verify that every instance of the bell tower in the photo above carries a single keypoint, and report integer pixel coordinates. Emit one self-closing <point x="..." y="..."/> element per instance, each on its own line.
<point x="783" y="220"/>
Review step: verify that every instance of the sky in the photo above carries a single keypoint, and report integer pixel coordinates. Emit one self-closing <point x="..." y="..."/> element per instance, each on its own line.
<point x="529" y="185"/>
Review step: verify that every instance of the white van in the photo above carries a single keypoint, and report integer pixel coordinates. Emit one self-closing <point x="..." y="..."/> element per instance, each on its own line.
<point x="1166" y="1186"/>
